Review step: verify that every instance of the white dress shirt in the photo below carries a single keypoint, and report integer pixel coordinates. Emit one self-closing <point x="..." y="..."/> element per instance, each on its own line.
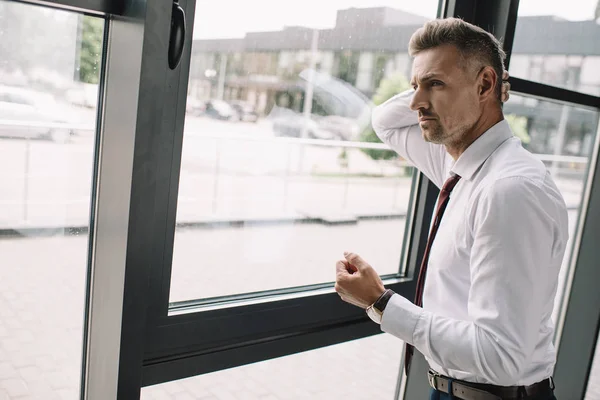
<point x="494" y="264"/>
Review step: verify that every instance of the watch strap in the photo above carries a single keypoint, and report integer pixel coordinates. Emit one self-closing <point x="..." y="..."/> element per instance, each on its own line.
<point x="382" y="301"/>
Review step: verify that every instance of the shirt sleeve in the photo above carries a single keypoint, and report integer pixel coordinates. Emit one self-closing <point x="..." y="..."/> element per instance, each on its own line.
<point x="397" y="126"/>
<point x="510" y="261"/>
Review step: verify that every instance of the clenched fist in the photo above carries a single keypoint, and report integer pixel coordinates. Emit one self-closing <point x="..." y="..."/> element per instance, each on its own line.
<point x="357" y="282"/>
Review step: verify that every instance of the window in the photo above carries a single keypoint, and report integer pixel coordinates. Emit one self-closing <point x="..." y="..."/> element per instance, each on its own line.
<point x="166" y="208"/>
<point x="47" y="148"/>
<point x="555" y="44"/>
<point x="261" y="194"/>
<point x="277" y="178"/>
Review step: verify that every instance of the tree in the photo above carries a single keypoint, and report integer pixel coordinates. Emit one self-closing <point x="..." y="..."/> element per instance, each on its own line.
<point x="518" y="125"/>
<point x="388" y="87"/>
<point x="91" y="49"/>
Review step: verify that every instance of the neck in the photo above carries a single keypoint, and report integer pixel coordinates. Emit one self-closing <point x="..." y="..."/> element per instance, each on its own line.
<point x="485" y="122"/>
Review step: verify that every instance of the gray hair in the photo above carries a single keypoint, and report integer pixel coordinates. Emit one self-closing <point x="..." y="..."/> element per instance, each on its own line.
<point x="477" y="47"/>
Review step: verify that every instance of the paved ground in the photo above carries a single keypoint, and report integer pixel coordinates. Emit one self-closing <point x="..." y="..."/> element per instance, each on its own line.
<point x="42" y="278"/>
<point x="41" y="308"/>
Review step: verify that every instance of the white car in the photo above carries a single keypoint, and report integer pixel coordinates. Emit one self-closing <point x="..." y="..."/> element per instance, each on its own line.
<point x="342" y="127"/>
<point x="26" y="113"/>
<point x="289" y="123"/>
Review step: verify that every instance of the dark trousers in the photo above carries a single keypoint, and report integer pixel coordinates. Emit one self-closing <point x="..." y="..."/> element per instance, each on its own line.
<point x="437" y="395"/>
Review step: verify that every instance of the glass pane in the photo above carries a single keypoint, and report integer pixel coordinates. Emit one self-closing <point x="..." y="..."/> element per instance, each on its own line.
<point x="280" y="173"/>
<point x="556" y="44"/>
<point x="49" y="71"/>
<point x="357" y="370"/>
<point x="593" y="389"/>
<point x="563" y="137"/>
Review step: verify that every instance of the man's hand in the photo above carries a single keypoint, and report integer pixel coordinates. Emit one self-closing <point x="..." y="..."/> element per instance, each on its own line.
<point x="505" y="87"/>
<point x="357" y="282"/>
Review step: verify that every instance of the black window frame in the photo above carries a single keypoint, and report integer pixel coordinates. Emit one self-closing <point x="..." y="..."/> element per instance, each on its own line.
<point x="281" y="322"/>
<point x="92" y="7"/>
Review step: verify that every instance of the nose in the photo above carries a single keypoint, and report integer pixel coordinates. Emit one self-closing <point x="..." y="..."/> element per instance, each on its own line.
<point x="419" y="100"/>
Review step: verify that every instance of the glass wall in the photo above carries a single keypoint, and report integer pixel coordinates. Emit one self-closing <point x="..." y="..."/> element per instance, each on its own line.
<point x="556" y="44"/>
<point x="281" y="172"/>
<point x="49" y="71"/>
<point x="363" y="369"/>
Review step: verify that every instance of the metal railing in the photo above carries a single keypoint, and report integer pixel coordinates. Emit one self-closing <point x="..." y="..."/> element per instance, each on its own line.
<point x="291" y="140"/>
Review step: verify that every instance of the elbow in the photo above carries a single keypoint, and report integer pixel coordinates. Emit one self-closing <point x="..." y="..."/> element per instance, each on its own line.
<point x="376" y="121"/>
<point x="379" y="125"/>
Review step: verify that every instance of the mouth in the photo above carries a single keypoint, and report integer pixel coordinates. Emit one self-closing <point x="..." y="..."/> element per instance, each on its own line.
<point x="425" y="119"/>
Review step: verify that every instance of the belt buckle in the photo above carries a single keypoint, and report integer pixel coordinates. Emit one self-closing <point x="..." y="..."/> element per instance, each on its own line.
<point x="431" y="376"/>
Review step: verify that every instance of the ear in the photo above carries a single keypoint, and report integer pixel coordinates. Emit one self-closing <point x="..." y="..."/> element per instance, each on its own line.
<point x="487" y="83"/>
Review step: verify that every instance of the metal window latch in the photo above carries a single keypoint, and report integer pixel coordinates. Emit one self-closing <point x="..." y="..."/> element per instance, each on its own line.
<point x="177" y="35"/>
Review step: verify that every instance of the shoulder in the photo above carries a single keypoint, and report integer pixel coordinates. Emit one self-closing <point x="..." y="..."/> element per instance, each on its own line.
<point x="512" y="162"/>
<point x="511" y="188"/>
<point x="511" y="171"/>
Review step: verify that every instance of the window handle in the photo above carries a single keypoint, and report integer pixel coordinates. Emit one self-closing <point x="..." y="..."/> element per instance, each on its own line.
<point x="177" y="35"/>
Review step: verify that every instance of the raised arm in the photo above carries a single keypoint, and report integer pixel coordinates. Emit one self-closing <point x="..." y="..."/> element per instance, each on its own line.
<point x="397" y="126"/>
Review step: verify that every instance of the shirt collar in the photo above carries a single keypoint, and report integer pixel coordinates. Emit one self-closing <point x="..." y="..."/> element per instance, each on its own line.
<point x="475" y="155"/>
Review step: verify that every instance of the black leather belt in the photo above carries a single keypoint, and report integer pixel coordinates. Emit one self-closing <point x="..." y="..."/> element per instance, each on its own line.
<point x="478" y="391"/>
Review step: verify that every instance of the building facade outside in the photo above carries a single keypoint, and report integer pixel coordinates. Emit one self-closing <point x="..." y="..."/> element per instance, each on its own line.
<point x="367" y="45"/>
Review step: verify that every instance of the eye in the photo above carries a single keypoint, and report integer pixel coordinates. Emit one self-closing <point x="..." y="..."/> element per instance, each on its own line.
<point x="437" y="83"/>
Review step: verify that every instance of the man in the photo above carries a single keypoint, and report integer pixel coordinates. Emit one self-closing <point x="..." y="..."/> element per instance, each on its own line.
<point x="499" y="233"/>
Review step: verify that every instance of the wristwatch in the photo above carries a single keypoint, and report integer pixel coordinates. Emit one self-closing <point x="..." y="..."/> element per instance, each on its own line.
<point x="375" y="310"/>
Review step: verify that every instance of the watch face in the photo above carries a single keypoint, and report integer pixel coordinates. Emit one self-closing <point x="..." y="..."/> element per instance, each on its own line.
<point x="374" y="314"/>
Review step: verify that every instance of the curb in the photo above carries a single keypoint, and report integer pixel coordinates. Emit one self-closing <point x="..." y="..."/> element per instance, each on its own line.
<point x="328" y="220"/>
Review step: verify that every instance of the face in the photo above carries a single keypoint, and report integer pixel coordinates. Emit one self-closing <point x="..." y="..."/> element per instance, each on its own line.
<point x="446" y="95"/>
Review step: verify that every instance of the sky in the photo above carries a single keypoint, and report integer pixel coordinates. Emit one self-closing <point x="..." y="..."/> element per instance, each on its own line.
<point x="233" y="18"/>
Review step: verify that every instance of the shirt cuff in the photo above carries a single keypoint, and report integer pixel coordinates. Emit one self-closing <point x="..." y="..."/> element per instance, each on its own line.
<point x="400" y="318"/>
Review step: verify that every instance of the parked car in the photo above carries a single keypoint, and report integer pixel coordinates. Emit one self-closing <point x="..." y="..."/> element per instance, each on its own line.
<point x="194" y="106"/>
<point x="245" y="111"/>
<point x="83" y="94"/>
<point x="342" y="127"/>
<point x="220" y="109"/>
<point x="291" y="124"/>
<point x="39" y="110"/>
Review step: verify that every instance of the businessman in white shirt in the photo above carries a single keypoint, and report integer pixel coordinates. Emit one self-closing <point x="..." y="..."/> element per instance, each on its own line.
<point x="482" y="313"/>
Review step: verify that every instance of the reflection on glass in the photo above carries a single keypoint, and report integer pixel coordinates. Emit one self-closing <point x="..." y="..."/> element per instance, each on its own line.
<point x="555" y="44"/>
<point x="563" y="137"/>
<point x="49" y="72"/>
<point x="281" y="172"/>
<point x="356" y="370"/>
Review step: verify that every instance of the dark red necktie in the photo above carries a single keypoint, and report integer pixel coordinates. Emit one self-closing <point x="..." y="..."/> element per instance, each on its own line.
<point x="443" y="199"/>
